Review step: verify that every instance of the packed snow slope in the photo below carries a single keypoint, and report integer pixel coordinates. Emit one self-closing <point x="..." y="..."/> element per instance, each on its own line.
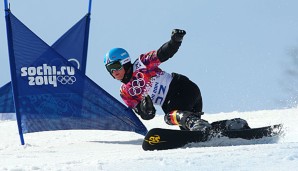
<point x="116" y="150"/>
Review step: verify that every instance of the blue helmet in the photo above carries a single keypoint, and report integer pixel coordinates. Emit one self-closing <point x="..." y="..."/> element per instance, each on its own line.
<point x="117" y="54"/>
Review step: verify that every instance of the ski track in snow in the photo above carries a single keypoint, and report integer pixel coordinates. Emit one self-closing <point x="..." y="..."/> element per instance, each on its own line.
<point x="118" y="150"/>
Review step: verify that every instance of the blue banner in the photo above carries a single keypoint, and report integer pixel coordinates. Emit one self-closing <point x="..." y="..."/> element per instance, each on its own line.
<point x="72" y="45"/>
<point x="6" y="99"/>
<point x="51" y="93"/>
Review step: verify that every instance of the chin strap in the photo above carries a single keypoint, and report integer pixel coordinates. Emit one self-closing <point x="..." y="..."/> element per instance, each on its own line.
<point x="128" y="73"/>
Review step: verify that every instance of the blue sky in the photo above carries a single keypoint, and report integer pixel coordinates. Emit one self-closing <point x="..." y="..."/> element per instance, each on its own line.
<point x="236" y="51"/>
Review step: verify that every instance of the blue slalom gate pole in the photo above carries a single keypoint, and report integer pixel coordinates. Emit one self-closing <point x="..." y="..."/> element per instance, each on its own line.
<point x="12" y="69"/>
<point x="90" y="4"/>
<point x="84" y="63"/>
<point x="6" y="7"/>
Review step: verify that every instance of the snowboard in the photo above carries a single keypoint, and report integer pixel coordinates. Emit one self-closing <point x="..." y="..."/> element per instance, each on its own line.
<point x="163" y="139"/>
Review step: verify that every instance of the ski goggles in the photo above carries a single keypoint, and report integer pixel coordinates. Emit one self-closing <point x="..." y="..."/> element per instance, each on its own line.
<point x="114" y="66"/>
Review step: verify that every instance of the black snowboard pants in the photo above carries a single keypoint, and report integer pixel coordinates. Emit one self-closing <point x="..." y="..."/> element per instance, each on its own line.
<point x="183" y="95"/>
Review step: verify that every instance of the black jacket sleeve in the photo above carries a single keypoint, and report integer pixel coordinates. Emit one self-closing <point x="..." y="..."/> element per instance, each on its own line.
<point x="168" y="50"/>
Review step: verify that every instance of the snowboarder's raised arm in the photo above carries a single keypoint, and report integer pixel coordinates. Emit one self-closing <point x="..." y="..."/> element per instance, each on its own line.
<point x="168" y="49"/>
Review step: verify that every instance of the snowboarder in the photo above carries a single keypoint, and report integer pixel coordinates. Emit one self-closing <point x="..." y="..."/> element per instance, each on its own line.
<point x="145" y="84"/>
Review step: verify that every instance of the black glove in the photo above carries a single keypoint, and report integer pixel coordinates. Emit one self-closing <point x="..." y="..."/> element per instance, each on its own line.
<point x="145" y="108"/>
<point x="177" y="35"/>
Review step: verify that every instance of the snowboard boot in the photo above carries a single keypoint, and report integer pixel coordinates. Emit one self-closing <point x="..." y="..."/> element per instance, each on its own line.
<point x="231" y="124"/>
<point x="195" y="124"/>
<point x="236" y="124"/>
<point x="187" y="120"/>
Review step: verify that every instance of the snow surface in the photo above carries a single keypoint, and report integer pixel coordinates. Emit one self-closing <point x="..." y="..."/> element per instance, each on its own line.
<point x="117" y="150"/>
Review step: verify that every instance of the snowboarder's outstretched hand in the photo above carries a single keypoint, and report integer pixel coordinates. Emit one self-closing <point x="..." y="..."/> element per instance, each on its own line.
<point x="146" y="109"/>
<point x="177" y="35"/>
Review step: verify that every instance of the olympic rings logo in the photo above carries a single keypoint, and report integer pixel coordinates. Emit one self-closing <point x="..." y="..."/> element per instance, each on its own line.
<point x="137" y="85"/>
<point x="66" y="79"/>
